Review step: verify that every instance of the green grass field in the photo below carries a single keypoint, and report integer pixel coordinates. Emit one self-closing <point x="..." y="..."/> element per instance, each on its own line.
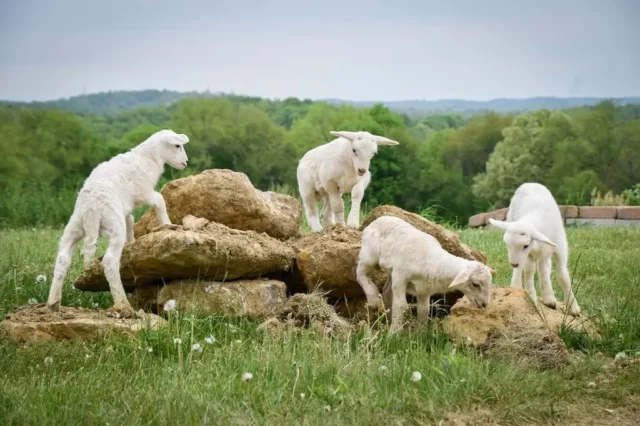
<point x="301" y="378"/>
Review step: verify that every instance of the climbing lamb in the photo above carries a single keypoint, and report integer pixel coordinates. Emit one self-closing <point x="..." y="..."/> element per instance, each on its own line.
<point x="534" y="232"/>
<point x="419" y="266"/>
<point x="328" y="171"/>
<point x="104" y="206"/>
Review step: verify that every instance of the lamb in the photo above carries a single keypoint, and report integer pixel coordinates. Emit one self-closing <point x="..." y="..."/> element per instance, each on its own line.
<point x="104" y="206"/>
<point x="419" y="266"/>
<point x="534" y="233"/>
<point x="328" y="171"/>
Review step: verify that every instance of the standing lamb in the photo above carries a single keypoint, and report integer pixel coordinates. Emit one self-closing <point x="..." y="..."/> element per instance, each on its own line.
<point x="534" y="232"/>
<point x="104" y="207"/>
<point x="328" y="171"/>
<point x="419" y="266"/>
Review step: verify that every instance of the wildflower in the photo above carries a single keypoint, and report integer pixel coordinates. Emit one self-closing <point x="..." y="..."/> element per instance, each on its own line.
<point x="149" y="349"/>
<point x="170" y="305"/>
<point x="196" y="347"/>
<point x="383" y="369"/>
<point x="246" y="377"/>
<point x="32" y="301"/>
<point x="302" y="395"/>
<point x="416" y="376"/>
<point x="620" y="355"/>
<point x="177" y="340"/>
<point x="95" y="305"/>
<point x="591" y="384"/>
<point x="327" y="408"/>
<point x="48" y="361"/>
<point x="18" y="288"/>
<point x="209" y="289"/>
<point x="41" y="279"/>
<point x="238" y="342"/>
<point x="210" y="340"/>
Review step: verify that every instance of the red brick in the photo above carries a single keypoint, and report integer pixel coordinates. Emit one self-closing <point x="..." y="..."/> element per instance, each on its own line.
<point x="570" y="212"/>
<point x="629" y="213"/>
<point x="498" y="215"/>
<point x="592" y="212"/>
<point x="477" y="220"/>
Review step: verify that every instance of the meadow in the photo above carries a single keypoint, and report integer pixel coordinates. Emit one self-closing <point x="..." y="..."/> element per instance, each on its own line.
<point x="303" y="378"/>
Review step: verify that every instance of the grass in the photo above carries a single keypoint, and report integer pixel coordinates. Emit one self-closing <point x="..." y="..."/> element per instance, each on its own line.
<point x="118" y="381"/>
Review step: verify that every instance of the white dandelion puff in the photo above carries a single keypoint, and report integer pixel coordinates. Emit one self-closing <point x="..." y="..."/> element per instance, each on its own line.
<point x="247" y="376"/>
<point x="32" y="301"/>
<point x="383" y="369"/>
<point x="327" y="408"/>
<point x="48" y="361"/>
<point x="170" y="305"/>
<point x="210" y="340"/>
<point x="302" y="395"/>
<point x="196" y="347"/>
<point x="95" y="305"/>
<point x="177" y="340"/>
<point x="41" y="279"/>
<point x="416" y="376"/>
<point x="149" y="349"/>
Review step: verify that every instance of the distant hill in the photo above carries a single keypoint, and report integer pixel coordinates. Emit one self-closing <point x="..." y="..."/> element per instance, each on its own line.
<point x="119" y="101"/>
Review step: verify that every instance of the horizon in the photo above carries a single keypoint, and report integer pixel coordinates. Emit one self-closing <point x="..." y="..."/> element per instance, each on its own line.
<point x="366" y="52"/>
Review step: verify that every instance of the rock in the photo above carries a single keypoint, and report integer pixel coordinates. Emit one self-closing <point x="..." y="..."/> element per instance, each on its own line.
<point x="229" y="198"/>
<point x="512" y="327"/>
<point x="251" y="298"/>
<point x="327" y="260"/>
<point x="145" y="298"/>
<point x="307" y="311"/>
<point x="213" y="252"/>
<point x="449" y="240"/>
<point x="37" y="324"/>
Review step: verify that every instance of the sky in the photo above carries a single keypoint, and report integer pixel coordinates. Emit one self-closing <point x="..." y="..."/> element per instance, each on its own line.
<point x="356" y="50"/>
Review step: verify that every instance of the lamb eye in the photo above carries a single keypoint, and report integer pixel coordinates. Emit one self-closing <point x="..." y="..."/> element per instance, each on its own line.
<point x="526" y="246"/>
<point x="477" y="285"/>
<point x="178" y="146"/>
<point x="354" y="151"/>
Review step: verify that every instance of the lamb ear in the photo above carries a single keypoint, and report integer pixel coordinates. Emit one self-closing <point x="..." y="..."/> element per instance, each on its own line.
<point x="185" y="138"/>
<point x="343" y="134"/>
<point x="493" y="272"/>
<point x="460" y="279"/>
<point x="537" y="235"/>
<point x="499" y="224"/>
<point x="381" y="140"/>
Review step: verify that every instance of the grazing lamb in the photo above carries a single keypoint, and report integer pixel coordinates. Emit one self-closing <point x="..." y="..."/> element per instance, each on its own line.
<point x="104" y="207"/>
<point x="419" y="266"/>
<point x="328" y="171"/>
<point x="534" y="232"/>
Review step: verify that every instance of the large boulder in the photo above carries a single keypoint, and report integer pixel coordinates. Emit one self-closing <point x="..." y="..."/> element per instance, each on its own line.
<point x="197" y="249"/>
<point x="449" y="240"/>
<point x="327" y="260"/>
<point x="250" y="298"/>
<point x="37" y="324"/>
<point x="229" y="198"/>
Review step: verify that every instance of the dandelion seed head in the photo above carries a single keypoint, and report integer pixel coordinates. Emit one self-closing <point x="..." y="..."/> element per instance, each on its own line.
<point x="210" y="340"/>
<point x="327" y="408"/>
<point x="95" y="305"/>
<point x="41" y="278"/>
<point x="302" y="395"/>
<point x="383" y="369"/>
<point x="196" y="347"/>
<point x="170" y="305"/>
<point x="416" y="376"/>
<point x="177" y="340"/>
<point x="32" y="301"/>
<point x="620" y="355"/>
<point x="48" y="361"/>
<point x="149" y="349"/>
<point x="247" y="376"/>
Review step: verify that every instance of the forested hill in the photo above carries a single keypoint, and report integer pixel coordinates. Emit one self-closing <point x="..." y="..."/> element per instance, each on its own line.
<point x="121" y="101"/>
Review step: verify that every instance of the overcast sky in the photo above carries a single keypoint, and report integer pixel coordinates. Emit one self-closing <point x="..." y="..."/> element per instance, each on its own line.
<point x="358" y="50"/>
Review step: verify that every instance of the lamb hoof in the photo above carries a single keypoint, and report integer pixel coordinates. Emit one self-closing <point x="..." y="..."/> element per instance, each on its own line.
<point x="122" y="311"/>
<point x="552" y="305"/>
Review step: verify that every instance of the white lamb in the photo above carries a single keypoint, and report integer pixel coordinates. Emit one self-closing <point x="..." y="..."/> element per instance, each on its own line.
<point x="104" y="206"/>
<point x="419" y="266"/>
<point x="534" y="232"/>
<point x="328" y="171"/>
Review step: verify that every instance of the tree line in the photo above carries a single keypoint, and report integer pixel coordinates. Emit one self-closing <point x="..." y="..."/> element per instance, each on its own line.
<point x="455" y="165"/>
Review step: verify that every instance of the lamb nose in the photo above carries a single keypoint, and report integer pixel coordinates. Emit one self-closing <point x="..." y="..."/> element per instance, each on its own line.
<point x="362" y="171"/>
<point x="484" y="304"/>
<point x="515" y="265"/>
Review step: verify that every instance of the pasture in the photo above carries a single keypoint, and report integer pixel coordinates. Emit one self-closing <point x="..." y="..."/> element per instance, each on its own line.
<point x="303" y="378"/>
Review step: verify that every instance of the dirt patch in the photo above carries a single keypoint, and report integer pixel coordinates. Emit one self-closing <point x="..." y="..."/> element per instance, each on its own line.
<point x="229" y="198"/>
<point x="307" y="311"/>
<point x="326" y="261"/>
<point x="195" y="250"/>
<point x="36" y="324"/>
<point x="250" y="298"/>
<point x="449" y="240"/>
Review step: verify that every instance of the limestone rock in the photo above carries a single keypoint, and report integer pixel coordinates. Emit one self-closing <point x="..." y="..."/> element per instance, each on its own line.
<point x="229" y="198"/>
<point x="37" y="324"/>
<point x="211" y="251"/>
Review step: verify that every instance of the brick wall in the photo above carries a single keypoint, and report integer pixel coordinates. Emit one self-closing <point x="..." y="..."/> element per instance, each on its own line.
<point x="601" y="216"/>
